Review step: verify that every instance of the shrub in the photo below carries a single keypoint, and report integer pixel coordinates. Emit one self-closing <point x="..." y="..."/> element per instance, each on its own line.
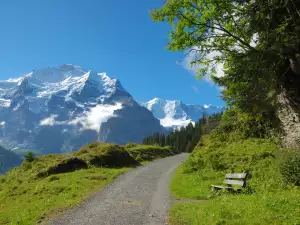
<point x="102" y="154"/>
<point x="53" y="178"/>
<point x="131" y="145"/>
<point x="290" y="166"/>
<point x="29" y="157"/>
<point x="149" y="152"/>
<point x="194" y="163"/>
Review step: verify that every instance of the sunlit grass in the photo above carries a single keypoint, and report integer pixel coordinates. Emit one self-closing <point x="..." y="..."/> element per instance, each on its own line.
<point x="267" y="199"/>
<point x="24" y="201"/>
<point x="39" y="189"/>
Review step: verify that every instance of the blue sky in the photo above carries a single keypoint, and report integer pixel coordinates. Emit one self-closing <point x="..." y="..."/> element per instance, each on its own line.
<point x="113" y="36"/>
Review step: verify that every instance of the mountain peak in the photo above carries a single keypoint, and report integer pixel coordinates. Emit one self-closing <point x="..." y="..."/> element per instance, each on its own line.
<point x="71" y="105"/>
<point x="174" y="113"/>
<point x="66" y="81"/>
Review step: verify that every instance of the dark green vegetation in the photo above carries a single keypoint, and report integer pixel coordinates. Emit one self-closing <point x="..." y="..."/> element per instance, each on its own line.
<point x="259" y="44"/>
<point x="147" y="152"/>
<point x="49" y="184"/>
<point x="8" y="160"/>
<point x="186" y="138"/>
<point x="30" y="156"/>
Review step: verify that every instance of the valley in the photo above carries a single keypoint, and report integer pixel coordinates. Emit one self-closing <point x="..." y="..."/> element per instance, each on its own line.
<point x="205" y="133"/>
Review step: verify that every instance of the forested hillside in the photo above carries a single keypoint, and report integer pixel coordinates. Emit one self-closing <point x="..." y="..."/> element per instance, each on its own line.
<point x="185" y="138"/>
<point x="258" y="45"/>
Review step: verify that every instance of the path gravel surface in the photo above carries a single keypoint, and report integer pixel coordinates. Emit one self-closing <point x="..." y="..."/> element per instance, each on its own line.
<point x="138" y="197"/>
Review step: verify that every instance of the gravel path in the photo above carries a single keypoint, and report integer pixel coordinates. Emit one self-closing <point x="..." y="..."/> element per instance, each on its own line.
<point x="138" y="197"/>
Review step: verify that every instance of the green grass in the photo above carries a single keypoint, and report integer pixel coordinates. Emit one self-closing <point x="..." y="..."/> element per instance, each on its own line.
<point x="52" y="183"/>
<point x="148" y="153"/>
<point x="24" y="201"/>
<point x="102" y="154"/>
<point x="271" y="208"/>
<point x="194" y="185"/>
<point x="267" y="199"/>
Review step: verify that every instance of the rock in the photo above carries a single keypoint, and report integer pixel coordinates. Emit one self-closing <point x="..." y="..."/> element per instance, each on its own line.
<point x="67" y="165"/>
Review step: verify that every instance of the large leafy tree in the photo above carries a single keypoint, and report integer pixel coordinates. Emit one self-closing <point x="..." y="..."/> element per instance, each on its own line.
<point x="257" y="41"/>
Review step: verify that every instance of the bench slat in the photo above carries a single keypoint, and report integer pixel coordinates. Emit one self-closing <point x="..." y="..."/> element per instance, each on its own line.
<point x="221" y="187"/>
<point x="236" y="175"/>
<point x="234" y="182"/>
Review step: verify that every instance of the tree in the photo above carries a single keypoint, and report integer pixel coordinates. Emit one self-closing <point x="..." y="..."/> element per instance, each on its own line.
<point x="30" y="156"/>
<point x="257" y="41"/>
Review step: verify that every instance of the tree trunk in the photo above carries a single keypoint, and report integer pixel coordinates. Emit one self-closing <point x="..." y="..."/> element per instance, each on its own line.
<point x="289" y="106"/>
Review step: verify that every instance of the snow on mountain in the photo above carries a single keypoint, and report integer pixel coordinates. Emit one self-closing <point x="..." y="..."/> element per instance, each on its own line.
<point x="59" y="109"/>
<point x="174" y="113"/>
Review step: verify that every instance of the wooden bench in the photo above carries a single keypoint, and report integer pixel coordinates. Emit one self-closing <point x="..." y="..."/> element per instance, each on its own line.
<point x="238" y="179"/>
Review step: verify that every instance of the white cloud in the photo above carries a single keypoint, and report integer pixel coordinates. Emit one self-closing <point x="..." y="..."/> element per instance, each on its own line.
<point x="4" y="102"/>
<point x="50" y="121"/>
<point x="90" y="120"/>
<point x="2" y="123"/>
<point x="170" y="122"/>
<point x="194" y="53"/>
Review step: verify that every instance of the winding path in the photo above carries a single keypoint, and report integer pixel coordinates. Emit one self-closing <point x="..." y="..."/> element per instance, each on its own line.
<point x="138" y="197"/>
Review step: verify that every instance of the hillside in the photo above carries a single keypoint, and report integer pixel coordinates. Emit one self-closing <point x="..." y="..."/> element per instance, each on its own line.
<point x="52" y="183"/>
<point x="272" y="192"/>
<point x="8" y="160"/>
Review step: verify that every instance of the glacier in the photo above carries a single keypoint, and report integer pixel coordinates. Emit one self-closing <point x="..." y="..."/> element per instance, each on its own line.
<point x="174" y="114"/>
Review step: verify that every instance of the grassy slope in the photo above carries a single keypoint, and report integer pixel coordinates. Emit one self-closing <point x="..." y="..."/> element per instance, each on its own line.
<point x="25" y="202"/>
<point x="25" y="198"/>
<point x="266" y="200"/>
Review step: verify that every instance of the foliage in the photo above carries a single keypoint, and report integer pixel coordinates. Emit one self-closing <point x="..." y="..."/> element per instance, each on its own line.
<point x="29" y="157"/>
<point x="247" y="125"/>
<point x="290" y="166"/>
<point x="185" y="138"/>
<point x="256" y="41"/>
<point x="131" y="144"/>
<point x="147" y="152"/>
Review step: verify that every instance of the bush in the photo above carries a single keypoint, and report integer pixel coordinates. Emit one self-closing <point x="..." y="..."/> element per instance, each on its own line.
<point x="149" y="152"/>
<point x="290" y="166"/>
<point x="29" y="157"/>
<point x="102" y="154"/>
<point x="131" y="145"/>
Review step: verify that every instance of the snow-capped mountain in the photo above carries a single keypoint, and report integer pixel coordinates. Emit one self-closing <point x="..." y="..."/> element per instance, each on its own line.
<point x="174" y="113"/>
<point x="60" y="109"/>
